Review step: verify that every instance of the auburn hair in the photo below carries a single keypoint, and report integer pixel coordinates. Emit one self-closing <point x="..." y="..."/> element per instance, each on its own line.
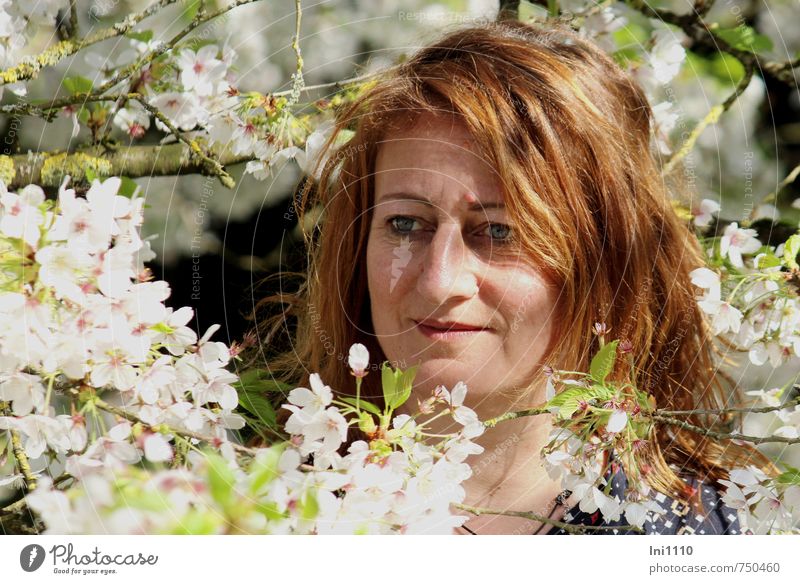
<point x="569" y="133"/>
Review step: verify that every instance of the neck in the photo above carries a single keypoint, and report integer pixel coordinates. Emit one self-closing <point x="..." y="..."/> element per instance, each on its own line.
<point x="509" y="474"/>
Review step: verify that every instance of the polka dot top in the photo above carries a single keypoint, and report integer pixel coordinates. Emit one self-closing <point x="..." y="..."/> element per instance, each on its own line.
<point x="678" y="519"/>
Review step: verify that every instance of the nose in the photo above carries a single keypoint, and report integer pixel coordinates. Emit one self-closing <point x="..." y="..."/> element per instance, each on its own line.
<point x="447" y="269"/>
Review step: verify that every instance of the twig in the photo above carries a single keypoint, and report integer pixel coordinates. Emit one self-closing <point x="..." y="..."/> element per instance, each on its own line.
<point x="170" y="44"/>
<point x="696" y="29"/>
<point x="46" y="109"/>
<point x="297" y="77"/>
<point x="722" y="435"/>
<point x="131" y="417"/>
<point x="568" y="527"/>
<point x="491" y="423"/>
<point x="790" y="178"/>
<point x="19" y="453"/>
<point x="711" y="118"/>
<point x="212" y="165"/>
<point x="756" y="410"/>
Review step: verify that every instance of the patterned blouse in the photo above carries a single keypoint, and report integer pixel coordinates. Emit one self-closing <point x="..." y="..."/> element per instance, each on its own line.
<point x="679" y="519"/>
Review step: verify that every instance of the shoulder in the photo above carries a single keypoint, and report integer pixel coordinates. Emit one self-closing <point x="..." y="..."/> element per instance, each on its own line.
<point x="676" y="518"/>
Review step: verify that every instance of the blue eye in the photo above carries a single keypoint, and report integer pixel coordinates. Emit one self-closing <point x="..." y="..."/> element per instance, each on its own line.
<point x="499" y="231"/>
<point x="399" y="221"/>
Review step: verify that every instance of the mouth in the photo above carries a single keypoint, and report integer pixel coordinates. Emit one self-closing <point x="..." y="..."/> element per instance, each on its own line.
<point x="447" y="330"/>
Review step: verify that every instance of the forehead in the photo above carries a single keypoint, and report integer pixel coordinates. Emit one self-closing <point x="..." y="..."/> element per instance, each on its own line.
<point x="436" y="155"/>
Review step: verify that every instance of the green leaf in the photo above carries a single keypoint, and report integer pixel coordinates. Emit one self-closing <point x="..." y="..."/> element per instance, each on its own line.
<point x="78" y="84"/>
<point x="220" y="479"/>
<point x="388" y="382"/>
<point x="144" y="36"/>
<point x="569" y="400"/>
<point x="197" y="522"/>
<point x="789" y="477"/>
<point x="397" y="385"/>
<point x="768" y="261"/>
<point x="91" y="175"/>
<point x="270" y="510"/>
<point x="529" y="11"/>
<point x="190" y="11"/>
<point x="407" y="382"/>
<point x="603" y="362"/>
<point x="744" y="38"/>
<point x="366" y="423"/>
<point x="365" y="405"/>
<point x="128" y="187"/>
<point x="308" y="505"/>
<point x="265" y="467"/>
<point x="790" y="251"/>
<point x="258" y="405"/>
<point x="261" y="380"/>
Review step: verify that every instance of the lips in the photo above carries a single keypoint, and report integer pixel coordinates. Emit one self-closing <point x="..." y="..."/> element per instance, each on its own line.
<point x="448" y="326"/>
<point x="450" y="332"/>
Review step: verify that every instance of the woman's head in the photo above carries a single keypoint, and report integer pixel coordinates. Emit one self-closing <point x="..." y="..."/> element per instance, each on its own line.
<point x="541" y="122"/>
<point x="538" y="130"/>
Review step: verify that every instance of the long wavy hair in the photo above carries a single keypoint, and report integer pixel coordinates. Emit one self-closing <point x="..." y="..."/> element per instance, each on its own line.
<point x="569" y="134"/>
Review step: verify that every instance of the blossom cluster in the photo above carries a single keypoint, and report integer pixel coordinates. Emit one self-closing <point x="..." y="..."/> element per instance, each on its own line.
<point x="395" y="484"/>
<point x="750" y="294"/>
<point x="79" y="314"/>
<point x="195" y="88"/>
<point x="765" y="505"/>
<point x="104" y="384"/>
<point x="577" y="465"/>
<point x="575" y="450"/>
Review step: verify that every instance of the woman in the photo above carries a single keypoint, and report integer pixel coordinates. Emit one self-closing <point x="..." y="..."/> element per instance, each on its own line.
<point x="498" y="197"/>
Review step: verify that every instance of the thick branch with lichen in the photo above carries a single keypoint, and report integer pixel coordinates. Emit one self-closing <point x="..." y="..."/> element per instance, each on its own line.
<point x="19" y="453"/>
<point x="48" y="169"/>
<point x="30" y="67"/>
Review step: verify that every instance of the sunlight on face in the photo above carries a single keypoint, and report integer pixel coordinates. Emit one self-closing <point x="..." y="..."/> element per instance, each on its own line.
<point x="438" y="252"/>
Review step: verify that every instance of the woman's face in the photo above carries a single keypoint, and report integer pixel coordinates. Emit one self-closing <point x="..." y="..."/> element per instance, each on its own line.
<point x="436" y="254"/>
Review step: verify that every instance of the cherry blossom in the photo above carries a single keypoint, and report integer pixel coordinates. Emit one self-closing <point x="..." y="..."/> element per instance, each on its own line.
<point x="735" y="241"/>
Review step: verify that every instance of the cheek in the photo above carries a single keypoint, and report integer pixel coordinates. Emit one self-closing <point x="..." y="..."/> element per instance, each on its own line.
<point x="384" y="289"/>
<point x="529" y="306"/>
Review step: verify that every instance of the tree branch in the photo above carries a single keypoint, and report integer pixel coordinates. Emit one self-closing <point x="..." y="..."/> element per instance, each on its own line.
<point x="696" y="29"/>
<point x="48" y="169"/>
<point x="723" y="435"/>
<point x="210" y="165"/>
<point x="139" y="64"/>
<point x="131" y="417"/>
<point x="30" y="67"/>
<point x="19" y="453"/>
<point x="568" y="527"/>
<point x="711" y="118"/>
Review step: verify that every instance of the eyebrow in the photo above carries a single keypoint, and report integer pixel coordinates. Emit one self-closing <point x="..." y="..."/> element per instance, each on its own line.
<point x="473" y="207"/>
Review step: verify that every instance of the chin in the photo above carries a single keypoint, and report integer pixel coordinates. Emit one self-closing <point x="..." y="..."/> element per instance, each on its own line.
<point x="444" y="371"/>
